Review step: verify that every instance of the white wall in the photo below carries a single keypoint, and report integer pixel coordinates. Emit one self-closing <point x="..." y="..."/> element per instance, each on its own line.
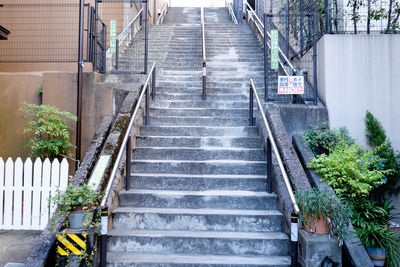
<point x="357" y="73"/>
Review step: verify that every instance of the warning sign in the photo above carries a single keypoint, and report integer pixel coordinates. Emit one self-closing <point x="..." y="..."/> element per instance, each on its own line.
<point x="290" y="85"/>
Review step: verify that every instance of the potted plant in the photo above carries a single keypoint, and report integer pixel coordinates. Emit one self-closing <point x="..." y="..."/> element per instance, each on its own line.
<point x="323" y="213"/>
<point x="78" y="203"/>
<point x="380" y="243"/>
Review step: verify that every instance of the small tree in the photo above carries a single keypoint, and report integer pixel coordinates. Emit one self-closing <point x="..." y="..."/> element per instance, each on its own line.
<point x="51" y="132"/>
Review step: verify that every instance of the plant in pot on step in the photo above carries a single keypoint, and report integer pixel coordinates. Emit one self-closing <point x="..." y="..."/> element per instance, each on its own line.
<point x="381" y="244"/>
<point x="79" y="204"/>
<point x="323" y="213"/>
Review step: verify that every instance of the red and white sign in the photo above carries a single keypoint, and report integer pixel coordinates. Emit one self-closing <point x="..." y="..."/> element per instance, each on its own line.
<point x="290" y="85"/>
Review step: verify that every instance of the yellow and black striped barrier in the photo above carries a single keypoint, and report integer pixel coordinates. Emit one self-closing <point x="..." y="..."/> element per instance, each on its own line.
<point x="71" y="244"/>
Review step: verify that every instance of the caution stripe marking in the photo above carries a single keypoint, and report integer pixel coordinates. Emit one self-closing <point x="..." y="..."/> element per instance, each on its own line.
<point x="74" y="243"/>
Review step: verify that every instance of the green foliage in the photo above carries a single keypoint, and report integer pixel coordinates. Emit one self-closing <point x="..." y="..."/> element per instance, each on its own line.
<point x="321" y="139"/>
<point x="379" y="236"/>
<point x="348" y="170"/>
<point x="366" y="211"/>
<point x="317" y="205"/>
<point x="387" y="158"/>
<point x="51" y="132"/>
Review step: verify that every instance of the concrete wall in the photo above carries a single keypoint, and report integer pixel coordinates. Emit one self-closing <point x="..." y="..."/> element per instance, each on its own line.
<point x="358" y="73"/>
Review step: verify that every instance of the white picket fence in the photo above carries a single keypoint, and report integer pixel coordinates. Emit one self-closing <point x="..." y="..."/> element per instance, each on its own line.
<point x="25" y="189"/>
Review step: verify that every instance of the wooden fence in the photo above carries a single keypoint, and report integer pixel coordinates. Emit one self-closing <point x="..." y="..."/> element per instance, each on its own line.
<point x="25" y="189"/>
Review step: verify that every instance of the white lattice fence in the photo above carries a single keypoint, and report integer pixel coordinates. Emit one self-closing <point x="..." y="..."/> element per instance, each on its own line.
<point x="25" y="189"/>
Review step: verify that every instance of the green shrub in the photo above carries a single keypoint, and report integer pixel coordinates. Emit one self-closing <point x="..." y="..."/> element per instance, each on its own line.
<point x="51" y="132"/>
<point x="366" y="211"/>
<point x="347" y="169"/>
<point x="387" y="158"/>
<point x="321" y="139"/>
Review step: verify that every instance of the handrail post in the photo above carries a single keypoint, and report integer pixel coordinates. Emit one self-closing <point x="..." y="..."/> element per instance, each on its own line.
<point x="251" y="106"/>
<point x="116" y="54"/>
<point x="103" y="237"/>
<point x="266" y="82"/>
<point x="128" y="163"/>
<point x="294" y="239"/>
<point x="153" y="84"/>
<point x="269" y="165"/>
<point x="146" y="106"/>
<point x="204" y="80"/>
<point x="315" y="77"/>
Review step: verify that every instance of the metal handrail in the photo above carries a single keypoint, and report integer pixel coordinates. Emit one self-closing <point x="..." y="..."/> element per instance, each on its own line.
<point x="123" y="34"/>
<point x="228" y="5"/>
<point x="127" y="135"/>
<point x="274" y="146"/>
<point x="259" y="24"/>
<point x="164" y="11"/>
<point x="204" y="70"/>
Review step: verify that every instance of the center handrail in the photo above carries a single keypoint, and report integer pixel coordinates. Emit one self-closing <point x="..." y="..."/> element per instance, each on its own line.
<point x="273" y="144"/>
<point x="203" y="35"/>
<point x="123" y="34"/>
<point x="164" y="11"/>
<point x="228" y="5"/>
<point x="260" y="24"/>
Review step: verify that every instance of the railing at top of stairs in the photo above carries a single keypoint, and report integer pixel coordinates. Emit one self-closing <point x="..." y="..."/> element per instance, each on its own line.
<point x="228" y="5"/>
<point x="162" y="14"/>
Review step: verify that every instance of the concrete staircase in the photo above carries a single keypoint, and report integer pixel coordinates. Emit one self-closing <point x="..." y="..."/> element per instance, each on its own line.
<point x="198" y="191"/>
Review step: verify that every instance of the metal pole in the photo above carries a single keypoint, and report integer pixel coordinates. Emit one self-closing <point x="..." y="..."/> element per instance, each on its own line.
<point x="79" y="89"/>
<point x="128" y="163"/>
<point x="301" y="27"/>
<point x="204" y="80"/>
<point x="116" y="54"/>
<point x="146" y="107"/>
<point x="104" y="54"/>
<point x="103" y="237"/>
<point x="266" y="83"/>
<point x="146" y="32"/>
<point x="327" y="31"/>
<point x="251" y="106"/>
<point x="95" y="36"/>
<point x="315" y="77"/>
<point x="287" y="28"/>
<point x="294" y="238"/>
<point x="153" y="84"/>
<point x="269" y="165"/>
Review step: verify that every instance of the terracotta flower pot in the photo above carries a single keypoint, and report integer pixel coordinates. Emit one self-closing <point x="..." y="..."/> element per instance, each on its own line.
<point x="319" y="227"/>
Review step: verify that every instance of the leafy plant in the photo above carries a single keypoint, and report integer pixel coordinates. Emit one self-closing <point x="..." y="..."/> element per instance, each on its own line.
<point x="321" y="139"/>
<point x="366" y="211"/>
<point x="51" y="132"/>
<point x="348" y="170"/>
<point x="378" y="236"/>
<point x="78" y="198"/>
<point x="316" y="205"/>
<point x="387" y="158"/>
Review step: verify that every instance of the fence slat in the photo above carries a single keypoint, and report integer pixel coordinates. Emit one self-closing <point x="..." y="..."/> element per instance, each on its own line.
<point x="1" y="191"/>
<point x="17" y="222"/>
<point x="27" y="211"/>
<point x="55" y="181"/>
<point x="37" y="179"/>
<point x="44" y="214"/>
<point x="8" y="194"/>
<point x="64" y="175"/>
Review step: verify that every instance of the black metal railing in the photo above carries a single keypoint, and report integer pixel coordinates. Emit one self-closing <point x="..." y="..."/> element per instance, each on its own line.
<point x="204" y="65"/>
<point x="125" y="37"/>
<point x="271" y="146"/>
<point x="162" y="14"/>
<point x="147" y="91"/>
<point x="228" y="5"/>
<point x="99" y="43"/>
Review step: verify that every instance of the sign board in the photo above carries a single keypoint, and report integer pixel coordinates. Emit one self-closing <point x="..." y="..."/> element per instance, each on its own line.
<point x="98" y="172"/>
<point x="290" y="85"/>
<point x="274" y="50"/>
<point x="113" y="36"/>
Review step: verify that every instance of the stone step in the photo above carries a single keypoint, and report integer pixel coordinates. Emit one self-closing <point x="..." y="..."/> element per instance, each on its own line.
<point x="197" y="142"/>
<point x="197" y="219"/>
<point x="198" y="121"/>
<point x="195" y="96"/>
<point x="212" y="199"/>
<point x="234" y="167"/>
<point x="193" y="242"/>
<point x="200" y="103"/>
<point x="172" y="260"/>
<point x="187" y="182"/>
<point x="182" y="153"/>
<point x="210" y="131"/>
